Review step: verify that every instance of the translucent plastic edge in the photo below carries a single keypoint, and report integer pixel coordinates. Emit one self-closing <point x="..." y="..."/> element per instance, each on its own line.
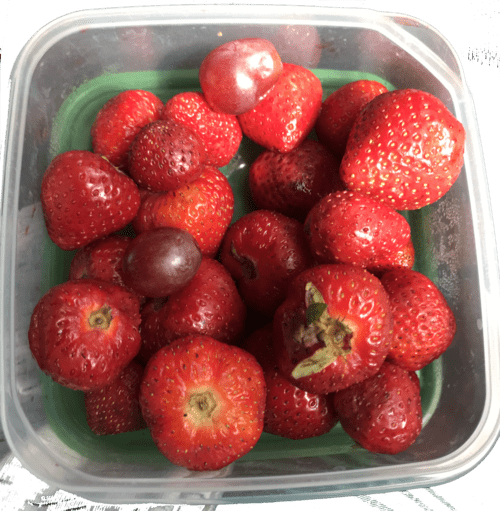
<point x="356" y="481"/>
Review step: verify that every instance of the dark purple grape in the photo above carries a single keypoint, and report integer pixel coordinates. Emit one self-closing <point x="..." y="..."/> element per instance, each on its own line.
<point x="160" y="261"/>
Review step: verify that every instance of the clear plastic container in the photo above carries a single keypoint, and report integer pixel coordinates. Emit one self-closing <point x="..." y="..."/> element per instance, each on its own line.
<point x="63" y="76"/>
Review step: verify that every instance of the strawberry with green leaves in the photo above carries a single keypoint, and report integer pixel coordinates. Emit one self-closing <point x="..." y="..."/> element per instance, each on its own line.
<point x="204" y="402"/>
<point x="405" y="149"/>
<point x="334" y="329"/>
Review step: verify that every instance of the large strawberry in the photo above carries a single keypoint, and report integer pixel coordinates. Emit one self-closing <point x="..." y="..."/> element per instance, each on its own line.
<point x="339" y="111"/>
<point x="165" y="155"/>
<point x="84" y="332"/>
<point x="290" y="412"/>
<point x="85" y="198"/>
<point x="115" y="408"/>
<point x="405" y="149"/>
<point x="203" y="401"/>
<point x="204" y="208"/>
<point x="119" y="121"/>
<point x="209" y="304"/>
<point x="424" y="324"/>
<point x="352" y="228"/>
<point x="384" y="412"/>
<point x="219" y="133"/>
<point x="263" y="251"/>
<point x="293" y="182"/>
<point x="334" y="328"/>
<point x="286" y="115"/>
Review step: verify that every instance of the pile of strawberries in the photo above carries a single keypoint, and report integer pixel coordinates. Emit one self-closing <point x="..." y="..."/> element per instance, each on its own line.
<point x="303" y="313"/>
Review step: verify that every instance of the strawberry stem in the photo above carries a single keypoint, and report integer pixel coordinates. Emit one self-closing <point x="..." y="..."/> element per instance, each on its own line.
<point x="331" y="333"/>
<point x="202" y="405"/>
<point x="101" y="318"/>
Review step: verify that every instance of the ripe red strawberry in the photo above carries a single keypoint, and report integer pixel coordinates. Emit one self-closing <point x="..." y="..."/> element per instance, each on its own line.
<point x="83" y="333"/>
<point x="424" y="324"/>
<point x="203" y="401"/>
<point x="293" y="182"/>
<point x="339" y="111"/>
<point x="115" y="408"/>
<point x="405" y="149"/>
<point x="85" y="198"/>
<point x="286" y="115"/>
<point x="165" y="155"/>
<point x="352" y="228"/>
<point x="403" y="258"/>
<point x="119" y="121"/>
<point x="208" y="305"/>
<point x="290" y="412"/>
<point x="382" y="413"/>
<point x="204" y="208"/>
<point x="102" y="260"/>
<point x="220" y="133"/>
<point x="334" y="328"/>
<point x="264" y="251"/>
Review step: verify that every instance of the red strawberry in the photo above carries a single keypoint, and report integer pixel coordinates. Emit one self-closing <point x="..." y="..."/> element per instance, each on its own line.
<point x="102" y="260"/>
<point x="115" y="408"/>
<point x="339" y="111"/>
<point x="208" y="305"/>
<point x="405" y="149"/>
<point x="382" y="413"/>
<point x="424" y="324"/>
<point x="118" y="122"/>
<point x="165" y="155"/>
<point x="403" y="258"/>
<point x="352" y="228"/>
<point x="293" y="182"/>
<point x="220" y="133"/>
<point x="290" y="411"/>
<point x="85" y="198"/>
<point x="83" y="333"/>
<point x="203" y="401"/>
<point x="264" y="251"/>
<point x="334" y="328"/>
<point x="204" y="208"/>
<point x="286" y="115"/>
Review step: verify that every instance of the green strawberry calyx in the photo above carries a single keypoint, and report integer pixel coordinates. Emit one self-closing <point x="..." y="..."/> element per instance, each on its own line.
<point x="321" y="328"/>
<point x="101" y="318"/>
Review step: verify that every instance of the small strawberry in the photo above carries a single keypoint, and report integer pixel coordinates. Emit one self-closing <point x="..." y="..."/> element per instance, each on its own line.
<point x="383" y="413"/>
<point x="424" y="324"/>
<point x="85" y="198"/>
<point x="339" y="111"/>
<point x="165" y="155"/>
<point x="402" y="258"/>
<point x="334" y="328"/>
<point x="290" y="412"/>
<point x="264" y="251"/>
<point x="293" y="182"/>
<point x="115" y="408"/>
<point x="352" y="228"/>
<point x="220" y="133"/>
<point x="286" y="115"/>
<point x="208" y="305"/>
<point x="204" y="402"/>
<point x="118" y="122"/>
<point x="83" y="333"/>
<point x="102" y="260"/>
<point x="204" y="208"/>
<point x="405" y="149"/>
